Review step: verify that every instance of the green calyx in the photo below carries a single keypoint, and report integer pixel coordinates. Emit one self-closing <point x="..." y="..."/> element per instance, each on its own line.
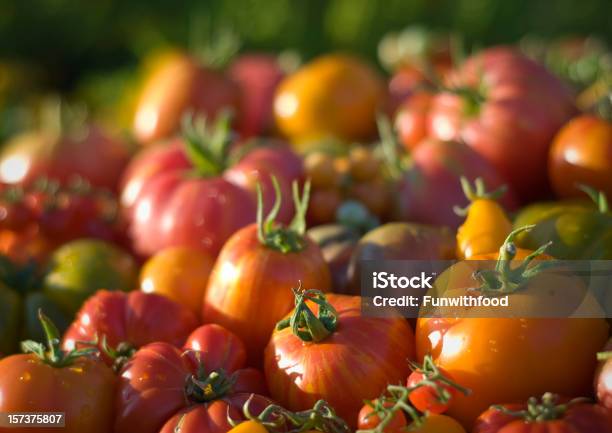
<point x="504" y="279"/>
<point x="598" y="197"/>
<point x="204" y="387"/>
<point x="321" y="417"/>
<point x="208" y="145"/>
<point x="52" y="353"/>
<point x="304" y="323"/>
<point x="477" y="191"/>
<point x="395" y="165"/>
<point x="604" y="356"/>
<point x="120" y="354"/>
<point x="290" y="239"/>
<point x="544" y="409"/>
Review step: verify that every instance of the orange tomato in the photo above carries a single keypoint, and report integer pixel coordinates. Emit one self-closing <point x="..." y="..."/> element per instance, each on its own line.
<point x="179" y="273"/>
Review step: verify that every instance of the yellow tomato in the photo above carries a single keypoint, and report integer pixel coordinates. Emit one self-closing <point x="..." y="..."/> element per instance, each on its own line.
<point x="484" y="230"/>
<point x="433" y="423"/>
<point x="249" y="427"/>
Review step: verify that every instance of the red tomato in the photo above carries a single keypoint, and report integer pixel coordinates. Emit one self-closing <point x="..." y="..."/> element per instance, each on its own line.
<point x="547" y="416"/>
<point x="426" y="398"/>
<point x="55" y="381"/>
<point x="412" y="120"/>
<point x="368" y="420"/>
<point x="603" y="378"/>
<point x="90" y="153"/>
<point x="131" y="320"/>
<point x="221" y="348"/>
<point x="436" y="172"/>
<point x="507" y="108"/>
<point x="582" y="154"/>
<point x="168" y="205"/>
<point x="162" y="389"/>
<point x="257" y="76"/>
<point x="343" y="363"/>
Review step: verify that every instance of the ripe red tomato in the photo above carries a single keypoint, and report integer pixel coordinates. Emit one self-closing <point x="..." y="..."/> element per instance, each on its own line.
<point x="176" y="85"/>
<point x="162" y="389"/>
<point x="339" y="356"/>
<point x="426" y="398"/>
<point x="549" y="415"/>
<point x="50" y="380"/>
<point x="368" y="420"/>
<point x="129" y="321"/>
<point x="507" y="108"/>
<point x="168" y="205"/>
<point x="582" y="154"/>
<point x="603" y="378"/>
<point x="89" y="152"/>
<point x="412" y="119"/>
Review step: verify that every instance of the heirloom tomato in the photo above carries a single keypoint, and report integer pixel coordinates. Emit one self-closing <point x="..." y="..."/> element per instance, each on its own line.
<point x="603" y="377"/>
<point x="177" y="84"/>
<point x="333" y="96"/>
<point x="179" y="273"/>
<point x="163" y="389"/>
<point x="326" y="349"/>
<point x="548" y="414"/>
<point x="119" y="323"/>
<point x="187" y="192"/>
<point x="507" y="108"/>
<point x="474" y="344"/>
<point x="582" y="154"/>
<point x="248" y="290"/>
<point x="48" y="379"/>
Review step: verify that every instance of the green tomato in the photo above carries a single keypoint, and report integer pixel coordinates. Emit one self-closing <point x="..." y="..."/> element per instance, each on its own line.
<point x="80" y="268"/>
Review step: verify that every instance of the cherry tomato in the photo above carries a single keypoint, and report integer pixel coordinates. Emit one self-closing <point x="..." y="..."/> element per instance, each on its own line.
<point x="426" y="398"/>
<point x="368" y="419"/>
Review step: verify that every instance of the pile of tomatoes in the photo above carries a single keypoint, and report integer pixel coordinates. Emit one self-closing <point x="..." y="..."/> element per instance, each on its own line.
<point x="205" y="274"/>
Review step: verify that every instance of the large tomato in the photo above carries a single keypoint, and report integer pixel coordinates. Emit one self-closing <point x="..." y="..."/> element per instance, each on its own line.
<point x="507" y="108"/>
<point x="336" y="354"/>
<point x="168" y="205"/>
<point x="162" y="389"/>
<point x="88" y="152"/>
<point x="333" y="96"/>
<point x="582" y="154"/>
<point x="49" y="380"/>
<point x="126" y="322"/>
<point x="475" y="351"/>
<point x="177" y="84"/>
<point x="249" y="288"/>
<point x="545" y="415"/>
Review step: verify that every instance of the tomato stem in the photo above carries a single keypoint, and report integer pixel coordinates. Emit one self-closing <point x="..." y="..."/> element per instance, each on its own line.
<point x="477" y="192"/>
<point x="304" y="323"/>
<point x="204" y="387"/>
<point x="206" y="146"/>
<point x="544" y="409"/>
<point x="598" y="197"/>
<point x="604" y="356"/>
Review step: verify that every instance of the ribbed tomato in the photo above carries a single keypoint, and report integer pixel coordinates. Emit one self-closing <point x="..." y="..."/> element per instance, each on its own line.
<point x="335" y="353"/>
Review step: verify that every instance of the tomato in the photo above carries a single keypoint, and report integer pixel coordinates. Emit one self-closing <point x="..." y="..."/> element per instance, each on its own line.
<point x="176" y="85"/>
<point x="324" y="204"/>
<point x="248" y="291"/>
<point x="436" y="171"/>
<point x="127" y="322"/>
<point x="179" y="273"/>
<point x="507" y="108"/>
<point x="80" y="268"/>
<point x="367" y="419"/>
<point x="434" y="423"/>
<point x="87" y="152"/>
<point x="475" y="350"/>
<point x="162" y="389"/>
<point x="582" y="154"/>
<point x="221" y="347"/>
<point x="427" y="398"/>
<point x="412" y="120"/>
<point x="332" y="96"/>
<point x="339" y="355"/>
<point x="46" y="379"/>
<point x="545" y="415"/>
<point x="257" y="76"/>
<point x="185" y="193"/>
<point x="603" y="377"/>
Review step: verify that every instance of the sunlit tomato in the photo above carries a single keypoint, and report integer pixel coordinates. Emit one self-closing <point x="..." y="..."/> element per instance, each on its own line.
<point x="342" y="362"/>
<point x="603" y="378"/>
<point x="334" y="95"/>
<point x="368" y="420"/>
<point x="582" y="154"/>
<point x="412" y="120"/>
<point x="81" y="387"/>
<point x="548" y="415"/>
<point x="175" y="86"/>
<point x="162" y="389"/>
<point x="221" y="347"/>
<point x="426" y="398"/>
<point x="129" y="321"/>
<point x="179" y="273"/>
<point x="507" y="108"/>
<point x="88" y="152"/>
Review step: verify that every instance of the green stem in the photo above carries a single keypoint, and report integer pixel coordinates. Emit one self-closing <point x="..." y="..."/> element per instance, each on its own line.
<point x="476" y="192"/>
<point x="604" y="356"/>
<point x="544" y="409"/>
<point x="304" y="323"/>
<point x="598" y="197"/>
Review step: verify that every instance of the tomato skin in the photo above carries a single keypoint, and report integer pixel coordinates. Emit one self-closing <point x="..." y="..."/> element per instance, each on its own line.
<point x="435" y="423"/>
<point x="249" y="289"/>
<point x="179" y="273"/>
<point x="412" y="120"/>
<point x="582" y="154"/>
<point x="176" y="85"/>
<point x="84" y="391"/>
<point x="334" y="95"/>
<point x="352" y="364"/>
<point x="582" y="418"/>
<point x="484" y="230"/>
<point x="523" y="107"/>
<point x="603" y="380"/>
<point x="136" y="318"/>
<point x="425" y="398"/>
<point x="151" y="395"/>
<point x="223" y="348"/>
<point x="250" y="426"/>
<point x="366" y="420"/>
